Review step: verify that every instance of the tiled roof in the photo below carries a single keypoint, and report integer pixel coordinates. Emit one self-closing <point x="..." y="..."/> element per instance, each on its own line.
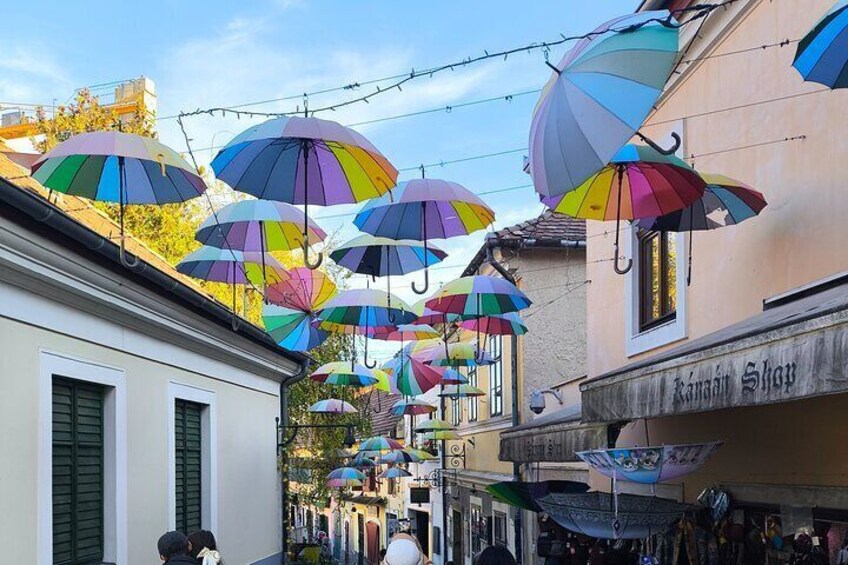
<point x="550" y="226"/>
<point x="382" y="420"/>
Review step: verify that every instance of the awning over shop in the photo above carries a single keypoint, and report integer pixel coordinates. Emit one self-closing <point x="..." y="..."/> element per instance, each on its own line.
<point x="796" y="348"/>
<point x="365" y="500"/>
<point x="553" y="437"/>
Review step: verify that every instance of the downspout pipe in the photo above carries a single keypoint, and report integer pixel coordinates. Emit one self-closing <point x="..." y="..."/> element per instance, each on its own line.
<point x="285" y="384"/>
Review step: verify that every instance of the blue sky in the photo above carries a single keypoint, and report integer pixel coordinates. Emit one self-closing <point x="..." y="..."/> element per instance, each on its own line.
<point x="220" y="53"/>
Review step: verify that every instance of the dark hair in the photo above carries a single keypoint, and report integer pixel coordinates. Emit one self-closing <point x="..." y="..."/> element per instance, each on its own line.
<point x="495" y="555"/>
<point x="201" y="539"/>
<point x="171" y="544"/>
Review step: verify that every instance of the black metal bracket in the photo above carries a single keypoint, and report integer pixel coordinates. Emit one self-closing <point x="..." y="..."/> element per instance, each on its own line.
<point x="455" y="455"/>
<point x="438" y="478"/>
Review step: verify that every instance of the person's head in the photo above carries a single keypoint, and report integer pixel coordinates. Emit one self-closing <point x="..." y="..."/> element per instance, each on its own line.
<point x="495" y="555"/>
<point x="201" y="539"/>
<point x="172" y="544"/>
<point x="382" y="553"/>
<point x="404" y="550"/>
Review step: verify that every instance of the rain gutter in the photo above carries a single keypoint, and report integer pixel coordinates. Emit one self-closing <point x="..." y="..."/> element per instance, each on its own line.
<point x="284" y="494"/>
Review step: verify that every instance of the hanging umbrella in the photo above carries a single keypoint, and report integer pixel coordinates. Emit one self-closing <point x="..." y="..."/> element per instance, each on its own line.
<point x="380" y="443"/>
<point x="429" y="316"/>
<point x="345" y="374"/>
<point x="432" y="425"/>
<point x="422" y="455"/>
<point x="412" y="408"/>
<point x="303" y="289"/>
<point x="362" y="461"/>
<point x="412" y="376"/>
<point x="639" y="182"/>
<point x="111" y="166"/>
<point x="478" y="295"/>
<point x="453" y="377"/>
<point x="725" y="202"/>
<point x="424" y="209"/>
<point x="394" y="473"/>
<point x="362" y="312"/>
<point x="399" y="456"/>
<point x="524" y="494"/>
<point x="291" y="329"/>
<point x="387" y="380"/>
<point x="461" y="391"/>
<point x="406" y="332"/>
<point x="602" y="515"/>
<point x="345" y="477"/>
<point x="304" y="161"/>
<point x="505" y="324"/>
<point x="384" y="257"/>
<point x="441" y="435"/>
<point x="460" y="354"/>
<point x="290" y="319"/>
<point x="597" y="98"/>
<point x="649" y="465"/>
<point x="822" y="55"/>
<point x="333" y="406"/>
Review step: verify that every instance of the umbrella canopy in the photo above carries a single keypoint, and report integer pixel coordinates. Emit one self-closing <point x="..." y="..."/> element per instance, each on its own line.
<point x="434" y="424"/>
<point x="346" y="374"/>
<point x="822" y="54"/>
<point x="412" y="376"/>
<point x="231" y="266"/>
<point x="362" y="461"/>
<point x="412" y="408"/>
<point x="725" y="202"/>
<point x="441" y="435"/>
<point x="650" y="465"/>
<point x="593" y="514"/>
<point x="505" y="324"/>
<point x="478" y="295"/>
<point x="345" y="477"/>
<point x="524" y="494"/>
<point x="453" y="377"/>
<point x="258" y="225"/>
<point x="381" y="256"/>
<point x="333" y="406"/>
<point x="406" y="332"/>
<point x="380" y="444"/>
<point x="364" y="311"/>
<point x="460" y="354"/>
<point x="429" y="316"/>
<point x="462" y="391"/>
<point x="399" y="456"/>
<point x="303" y="289"/>
<point x="597" y="98"/>
<point x="292" y="329"/>
<point x="304" y="161"/>
<point x="290" y="319"/>
<point x="386" y="379"/>
<point x="422" y="455"/>
<point x="394" y="473"/>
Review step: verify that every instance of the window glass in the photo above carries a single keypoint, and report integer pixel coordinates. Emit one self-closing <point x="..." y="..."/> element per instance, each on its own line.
<point x="496" y="376"/>
<point x="657" y="279"/>
<point x="472" y="401"/>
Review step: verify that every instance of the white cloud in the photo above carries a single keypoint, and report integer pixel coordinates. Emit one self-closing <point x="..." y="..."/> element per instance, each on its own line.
<point x="29" y="72"/>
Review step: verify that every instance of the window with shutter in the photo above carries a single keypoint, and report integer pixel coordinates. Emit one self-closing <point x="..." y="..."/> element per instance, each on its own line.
<point x="77" y="472"/>
<point x="188" y="457"/>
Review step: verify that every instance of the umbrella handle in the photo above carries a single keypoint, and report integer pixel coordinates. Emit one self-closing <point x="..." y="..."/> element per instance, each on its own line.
<point x="426" y="284"/>
<point x="121" y="189"/>
<point x="629" y="264"/>
<point x="424" y="233"/>
<point x="670" y="151"/>
<point x="365" y="362"/>
<point x="125" y="258"/>
<point x="309" y="265"/>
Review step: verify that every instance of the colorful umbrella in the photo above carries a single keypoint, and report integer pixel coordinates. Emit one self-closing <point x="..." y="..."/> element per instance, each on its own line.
<point x="304" y="161"/>
<point x="505" y="324"/>
<point x="303" y="289"/>
<point x="822" y="55"/>
<point x="111" y="166"/>
<point x="345" y="477"/>
<point x="399" y="456"/>
<point x="432" y="425"/>
<point x="406" y="332"/>
<point x="478" y="295"/>
<point x="290" y="319"/>
<point x="387" y="380"/>
<point x="441" y="435"/>
<point x="423" y="209"/>
<point x="412" y="408"/>
<point x="412" y="376"/>
<point x="460" y="354"/>
<point x="649" y="465"/>
<point x="429" y="316"/>
<point x="725" y="202"/>
<point x="333" y="406"/>
<point x="639" y="182"/>
<point x="422" y="455"/>
<point x="597" y="98"/>
<point x="380" y="443"/>
<point x="461" y="391"/>
<point x="291" y="329"/>
<point x="362" y="461"/>
<point x="453" y="377"/>
<point x="524" y="494"/>
<point x="345" y="374"/>
<point x="394" y="473"/>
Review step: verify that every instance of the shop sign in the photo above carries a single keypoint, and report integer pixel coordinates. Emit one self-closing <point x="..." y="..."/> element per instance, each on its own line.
<point x="551" y="443"/>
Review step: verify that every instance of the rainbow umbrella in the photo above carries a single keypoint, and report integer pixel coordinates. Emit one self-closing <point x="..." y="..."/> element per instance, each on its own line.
<point x="412" y="376"/>
<point x="399" y="456"/>
<point x="412" y="407"/>
<point x="406" y="332"/>
<point x="460" y="354"/>
<point x="822" y="54"/>
<point x="725" y="202"/>
<point x="111" y="166"/>
<point x="387" y="381"/>
<point x="598" y="97"/>
<point x="429" y="316"/>
<point x="650" y="465"/>
<point x="423" y="209"/>
<point x="333" y="406"/>
<point x="432" y="425"/>
<point x="345" y="477"/>
<point x="394" y="473"/>
<point x="639" y="182"/>
<point x="441" y="435"/>
<point x="453" y="377"/>
<point x="345" y="374"/>
<point x="304" y="161"/>
<point x="524" y="494"/>
<point x="362" y="460"/>
<point x="478" y="295"/>
<point x="379" y="444"/>
<point x="505" y="324"/>
<point x="290" y="318"/>
<point x="461" y="391"/>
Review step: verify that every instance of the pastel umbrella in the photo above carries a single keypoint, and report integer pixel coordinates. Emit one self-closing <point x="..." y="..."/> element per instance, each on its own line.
<point x="429" y="316"/>
<point x="412" y="376"/>
<point x="424" y="209"/>
<point x="384" y="257"/>
<point x="524" y="494"/>
<point x="505" y="324"/>
<point x="406" y="332"/>
<point x="345" y="374"/>
<point x="460" y="354"/>
<point x="399" y="456"/>
<point x="453" y="377"/>
<point x="725" y="202"/>
<point x="380" y="443"/>
<point x="387" y="380"/>
<point x="394" y="473"/>
<point x="412" y="407"/>
<point x="461" y="391"/>
<point x="345" y="477"/>
<point x="290" y="318"/>
<point x="441" y="435"/>
<point x="422" y="455"/>
<point x="434" y="424"/>
<point x="639" y="182"/>
<point x="597" y="98"/>
<point x="650" y="465"/>
<point x="822" y="55"/>
<point x="361" y="461"/>
<point x="333" y="406"/>
<point x="478" y="295"/>
<point x="302" y="160"/>
<point x="111" y="166"/>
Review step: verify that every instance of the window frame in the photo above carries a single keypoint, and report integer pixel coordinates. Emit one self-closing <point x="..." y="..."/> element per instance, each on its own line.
<point x="456" y="412"/>
<point x="182" y="406"/>
<point x="647" y="320"/>
<point x="498" y="515"/>
<point x="473" y="404"/>
<point x="496" y="380"/>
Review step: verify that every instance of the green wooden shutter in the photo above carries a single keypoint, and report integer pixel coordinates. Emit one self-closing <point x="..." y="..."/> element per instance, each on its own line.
<point x="188" y="465"/>
<point x="77" y="472"/>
